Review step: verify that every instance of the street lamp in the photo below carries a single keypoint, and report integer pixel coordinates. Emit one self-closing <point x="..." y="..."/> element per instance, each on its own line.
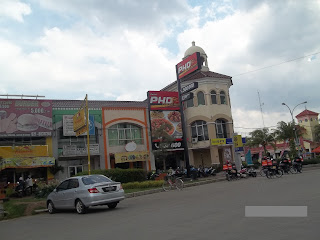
<point x="293" y="123"/>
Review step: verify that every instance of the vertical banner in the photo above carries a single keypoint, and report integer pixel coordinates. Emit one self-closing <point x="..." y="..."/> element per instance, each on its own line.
<point x="249" y="158"/>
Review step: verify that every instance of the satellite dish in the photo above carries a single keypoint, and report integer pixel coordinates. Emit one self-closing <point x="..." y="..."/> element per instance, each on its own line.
<point x="131" y="146"/>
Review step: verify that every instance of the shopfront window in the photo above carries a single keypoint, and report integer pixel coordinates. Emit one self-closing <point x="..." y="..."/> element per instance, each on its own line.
<point x="199" y="130"/>
<point x="80" y="141"/>
<point x="123" y="133"/>
<point x="74" y="170"/>
<point x="190" y="103"/>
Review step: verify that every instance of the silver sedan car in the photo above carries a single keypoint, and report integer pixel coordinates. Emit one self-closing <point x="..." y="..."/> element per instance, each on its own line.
<point x="82" y="192"/>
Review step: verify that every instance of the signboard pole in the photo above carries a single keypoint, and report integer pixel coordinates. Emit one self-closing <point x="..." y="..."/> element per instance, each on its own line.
<point x="88" y="139"/>
<point x="184" y="132"/>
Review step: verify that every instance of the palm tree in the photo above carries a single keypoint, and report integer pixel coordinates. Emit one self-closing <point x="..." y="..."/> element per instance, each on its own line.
<point x="286" y="132"/>
<point x="317" y="133"/>
<point x="260" y="137"/>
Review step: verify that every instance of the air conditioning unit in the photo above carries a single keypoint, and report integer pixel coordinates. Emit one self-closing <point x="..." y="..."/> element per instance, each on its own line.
<point x="194" y="140"/>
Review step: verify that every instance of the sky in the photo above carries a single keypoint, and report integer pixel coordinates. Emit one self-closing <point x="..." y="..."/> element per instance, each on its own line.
<point x="120" y="49"/>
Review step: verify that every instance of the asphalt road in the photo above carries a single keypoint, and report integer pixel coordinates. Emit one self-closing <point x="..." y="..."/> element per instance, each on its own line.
<point x="212" y="211"/>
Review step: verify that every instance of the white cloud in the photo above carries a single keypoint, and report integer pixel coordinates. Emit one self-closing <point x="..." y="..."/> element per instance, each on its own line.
<point x="14" y="9"/>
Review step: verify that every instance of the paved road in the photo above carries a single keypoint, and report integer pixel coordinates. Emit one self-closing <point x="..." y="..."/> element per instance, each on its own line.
<point x="212" y="211"/>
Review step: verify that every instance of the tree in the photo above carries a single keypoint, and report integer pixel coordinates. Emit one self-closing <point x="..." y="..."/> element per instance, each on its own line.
<point x="260" y="137"/>
<point x="317" y="133"/>
<point x="286" y="132"/>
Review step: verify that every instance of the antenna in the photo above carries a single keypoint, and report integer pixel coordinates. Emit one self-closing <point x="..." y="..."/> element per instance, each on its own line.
<point x="261" y="109"/>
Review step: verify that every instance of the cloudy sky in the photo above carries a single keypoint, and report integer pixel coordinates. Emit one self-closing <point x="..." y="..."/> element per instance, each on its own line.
<point x="120" y="49"/>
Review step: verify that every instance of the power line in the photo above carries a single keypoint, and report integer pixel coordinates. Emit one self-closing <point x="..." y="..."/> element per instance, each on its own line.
<point x="291" y="60"/>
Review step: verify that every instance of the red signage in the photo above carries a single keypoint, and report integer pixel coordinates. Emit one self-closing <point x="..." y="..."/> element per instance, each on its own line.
<point x="160" y="100"/>
<point x="188" y="65"/>
<point x="20" y="117"/>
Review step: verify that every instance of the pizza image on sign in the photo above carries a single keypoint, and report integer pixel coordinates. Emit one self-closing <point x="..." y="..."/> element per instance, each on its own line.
<point x="161" y="123"/>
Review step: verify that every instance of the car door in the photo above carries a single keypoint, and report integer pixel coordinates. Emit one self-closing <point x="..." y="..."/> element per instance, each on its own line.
<point x="71" y="193"/>
<point x="59" y="195"/>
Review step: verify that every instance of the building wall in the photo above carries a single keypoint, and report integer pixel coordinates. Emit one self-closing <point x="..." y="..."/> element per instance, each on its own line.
<point x="137" y="116"/>
<point x="308" y="122"/>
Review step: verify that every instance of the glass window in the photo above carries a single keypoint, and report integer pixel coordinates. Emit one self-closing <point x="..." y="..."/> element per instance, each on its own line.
<point x="200" y="97"/>
<point x="73" y="183"/>
<point x="123" y="133"/>
<point x="95" y="179"/>
<point x="199" y="129"/>
<point x="221" y="128"/>
<point x="213" y="97"/>
<point x="63" y="186"/>
<point x="306" y="120"/>
<point x="190" y="103"/>
<point x="74" y="170"/>
<point x="223" y="97"/>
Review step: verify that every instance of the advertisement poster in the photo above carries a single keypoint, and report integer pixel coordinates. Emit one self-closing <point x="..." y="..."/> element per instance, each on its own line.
<point x="165" y="118"/>
<point x="131" y="157"/>
<point x="20" y="117"/>
<point x="227" y="156"/>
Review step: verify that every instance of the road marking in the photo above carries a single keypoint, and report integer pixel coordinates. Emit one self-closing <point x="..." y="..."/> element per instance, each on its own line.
<point x="276" y="211"/>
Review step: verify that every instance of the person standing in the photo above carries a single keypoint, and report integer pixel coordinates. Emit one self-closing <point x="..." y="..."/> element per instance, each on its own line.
<point x="29" y="184"/>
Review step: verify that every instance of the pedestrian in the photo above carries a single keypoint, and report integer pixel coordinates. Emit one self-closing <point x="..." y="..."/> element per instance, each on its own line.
<point x="29" y="184"/>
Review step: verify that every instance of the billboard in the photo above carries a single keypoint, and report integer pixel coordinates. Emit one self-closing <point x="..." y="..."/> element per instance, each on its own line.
<point x="188" y="65"/>
<point x="25" y="117"/>
<point x="165" y="117"/>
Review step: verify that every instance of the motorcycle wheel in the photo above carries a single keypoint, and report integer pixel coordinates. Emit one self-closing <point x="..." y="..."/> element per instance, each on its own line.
<point x="262" y="173"/>
<point x="228" y="177"/>
<point x="278" y="173"/>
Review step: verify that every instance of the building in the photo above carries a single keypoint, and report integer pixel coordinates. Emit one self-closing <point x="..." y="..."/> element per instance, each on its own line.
<point x="208" y="115"/>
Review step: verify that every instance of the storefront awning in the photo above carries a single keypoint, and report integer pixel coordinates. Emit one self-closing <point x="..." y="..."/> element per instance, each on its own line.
<point x="27" y="162"/>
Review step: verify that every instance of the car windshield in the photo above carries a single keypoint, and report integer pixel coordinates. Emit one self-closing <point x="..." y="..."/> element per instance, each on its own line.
<point x="95" y="179"/>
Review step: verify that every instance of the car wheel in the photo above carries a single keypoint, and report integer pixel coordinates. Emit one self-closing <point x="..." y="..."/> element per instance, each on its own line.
<point x="80" y="207"/>
<point x="112" y="205"/>
<point x="51" y="208"/>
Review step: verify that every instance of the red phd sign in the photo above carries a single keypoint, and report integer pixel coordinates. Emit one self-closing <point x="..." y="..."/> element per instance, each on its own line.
<point x="188" y="65"/>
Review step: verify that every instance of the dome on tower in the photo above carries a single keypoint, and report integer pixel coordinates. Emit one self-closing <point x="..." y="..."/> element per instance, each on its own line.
<point x="194" y="49"/>
<point x="191" y="50"/>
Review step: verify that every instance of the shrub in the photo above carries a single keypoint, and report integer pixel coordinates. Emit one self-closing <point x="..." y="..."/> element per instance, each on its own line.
<point x="44" y="189"/>
<point x="311" y="161"/>
<point x="121" y="175"/>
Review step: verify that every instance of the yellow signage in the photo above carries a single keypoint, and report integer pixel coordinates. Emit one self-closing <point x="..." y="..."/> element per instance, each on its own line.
<point x="237" y="141"/>
<point x="81" y="131"/>
<point x="24" y="151"/>
<point x="79" y="120"/>
<point x="218" y="141"/>
<point x="131" y="157"/>
<point x="26" y="162"/>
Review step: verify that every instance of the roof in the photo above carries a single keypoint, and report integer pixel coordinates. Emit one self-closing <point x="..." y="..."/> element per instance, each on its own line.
<point x="96" y="104"/>
<point x="199" y="75"/>
<point x="307" y="113"/>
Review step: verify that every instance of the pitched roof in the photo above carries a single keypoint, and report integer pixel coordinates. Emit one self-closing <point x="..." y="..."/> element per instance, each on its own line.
<point x="307" y="113"/>
<point x="199" y="75"/>
<point x="96" y="104"/>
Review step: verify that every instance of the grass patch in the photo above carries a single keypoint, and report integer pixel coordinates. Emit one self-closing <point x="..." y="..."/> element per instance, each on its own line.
<point x="27" y="199"/>
<point x="14" y="210"/>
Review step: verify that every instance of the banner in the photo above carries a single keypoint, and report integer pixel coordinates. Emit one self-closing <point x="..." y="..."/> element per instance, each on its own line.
<point x="26" y="162"/>
<point x="19" y="117"/>
<point x="249" y="157"/>
<point x="218" y="141"/>
<point x="79" y="120"/>
<point x="131" y="157"/>
<point x="24" y="151"/>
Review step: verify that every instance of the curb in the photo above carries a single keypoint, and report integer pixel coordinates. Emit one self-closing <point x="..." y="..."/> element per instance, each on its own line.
<point x="41" y="210"/>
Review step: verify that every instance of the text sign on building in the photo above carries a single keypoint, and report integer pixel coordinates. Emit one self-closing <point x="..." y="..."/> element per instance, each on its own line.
<point x="73" y="150"/>
<point x="188" y="65"/>
<point x="218" y="141"/>
<point x="187" y="96"/>
<point x="131" y="157"/>
<point x="189" y="87"/>
<point x="19" y="118"/>
<point x="171" y="145"/>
